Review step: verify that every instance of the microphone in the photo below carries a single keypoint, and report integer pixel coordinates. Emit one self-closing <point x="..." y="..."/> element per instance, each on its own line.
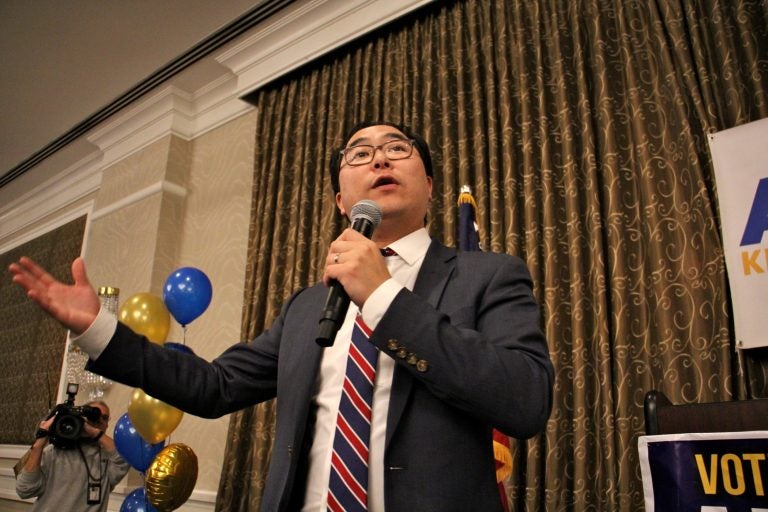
<point x="366" y="216"/>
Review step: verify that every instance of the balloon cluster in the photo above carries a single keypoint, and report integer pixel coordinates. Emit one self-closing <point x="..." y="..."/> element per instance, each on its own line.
<point x="170" y="472"/>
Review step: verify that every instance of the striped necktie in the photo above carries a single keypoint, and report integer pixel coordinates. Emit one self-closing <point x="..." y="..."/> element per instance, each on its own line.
<point x="348" y="485"/>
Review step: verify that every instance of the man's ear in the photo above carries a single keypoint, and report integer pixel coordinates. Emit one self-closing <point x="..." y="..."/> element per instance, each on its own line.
<point x="340" y="205"/>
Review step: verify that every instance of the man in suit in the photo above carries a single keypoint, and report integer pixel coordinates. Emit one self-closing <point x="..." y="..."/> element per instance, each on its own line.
<point x="460" y="349"/>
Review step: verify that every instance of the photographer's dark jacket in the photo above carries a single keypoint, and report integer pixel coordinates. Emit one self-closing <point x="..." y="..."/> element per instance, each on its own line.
<point x="61" y="483"/>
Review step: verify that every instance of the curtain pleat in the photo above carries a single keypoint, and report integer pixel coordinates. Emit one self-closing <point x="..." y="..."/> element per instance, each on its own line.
<point x="581" y="128"/>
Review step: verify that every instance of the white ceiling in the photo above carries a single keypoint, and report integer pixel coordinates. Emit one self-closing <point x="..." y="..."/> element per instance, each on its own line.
<point x="63" y="61"/>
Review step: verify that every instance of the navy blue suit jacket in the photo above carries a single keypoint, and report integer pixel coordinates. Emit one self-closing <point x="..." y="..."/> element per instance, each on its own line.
<point x="470" y="357"/>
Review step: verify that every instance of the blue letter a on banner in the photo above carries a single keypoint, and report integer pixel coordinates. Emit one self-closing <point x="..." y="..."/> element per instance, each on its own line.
<point x="758" y="216"/>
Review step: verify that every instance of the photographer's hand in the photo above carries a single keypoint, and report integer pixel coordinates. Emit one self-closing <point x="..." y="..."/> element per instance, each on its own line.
<point x="74" y="306"/>
<point x="91" y="431"/>
<point x="36" y="451"/>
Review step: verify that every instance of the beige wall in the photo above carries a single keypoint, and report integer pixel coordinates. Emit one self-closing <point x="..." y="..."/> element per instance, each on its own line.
<point x="178" y="203"/>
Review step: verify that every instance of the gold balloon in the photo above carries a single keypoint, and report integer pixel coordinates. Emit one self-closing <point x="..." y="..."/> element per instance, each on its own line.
<point x="154" y="420"/>
<point x="146" y="314"/>
<point x="171" y="477"/>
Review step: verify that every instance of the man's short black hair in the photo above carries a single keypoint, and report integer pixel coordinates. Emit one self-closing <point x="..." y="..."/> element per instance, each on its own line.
<point x="419" y="142"/>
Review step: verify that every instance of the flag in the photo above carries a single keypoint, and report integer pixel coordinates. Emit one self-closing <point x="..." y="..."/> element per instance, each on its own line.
<point x="469" y="240"/>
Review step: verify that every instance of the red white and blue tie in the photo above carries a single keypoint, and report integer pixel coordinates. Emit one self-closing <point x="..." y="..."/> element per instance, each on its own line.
<point x="348" y="485"/>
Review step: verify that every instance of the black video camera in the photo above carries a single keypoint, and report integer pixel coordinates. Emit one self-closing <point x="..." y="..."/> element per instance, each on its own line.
<point x="68" y="420"/>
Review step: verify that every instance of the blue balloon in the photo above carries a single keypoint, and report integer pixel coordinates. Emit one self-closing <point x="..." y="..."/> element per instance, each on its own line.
<point x="180" y="347"/>
<point x="137" y="501"/>
<point x="135" y="449"/>
<point x="187" y="294"/>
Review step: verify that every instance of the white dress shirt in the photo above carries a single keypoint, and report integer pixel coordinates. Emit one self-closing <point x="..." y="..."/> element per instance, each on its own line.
<point x="403" y="267"/>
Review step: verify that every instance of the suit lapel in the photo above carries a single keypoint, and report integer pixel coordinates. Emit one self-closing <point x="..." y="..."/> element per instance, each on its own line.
<point x="434" y="274"/>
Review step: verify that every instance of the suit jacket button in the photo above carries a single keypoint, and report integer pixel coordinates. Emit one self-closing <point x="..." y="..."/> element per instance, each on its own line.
<point x="392" y="344"/>
<point x="411" y="358"/>
<point x="402" y="353"/>
<point x="422" y="365"/>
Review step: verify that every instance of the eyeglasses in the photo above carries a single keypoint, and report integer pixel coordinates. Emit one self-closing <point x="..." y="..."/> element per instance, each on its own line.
<point x="396" y="149"/>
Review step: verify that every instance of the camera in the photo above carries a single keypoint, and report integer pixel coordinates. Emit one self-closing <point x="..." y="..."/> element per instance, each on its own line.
<point x="68" y="420"/>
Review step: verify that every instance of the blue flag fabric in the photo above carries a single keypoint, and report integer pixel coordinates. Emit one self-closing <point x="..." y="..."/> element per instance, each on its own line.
<point x="469" y="238"/>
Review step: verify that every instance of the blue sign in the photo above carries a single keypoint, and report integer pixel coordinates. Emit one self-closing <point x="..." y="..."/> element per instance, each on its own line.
<point x="724" y="472"/>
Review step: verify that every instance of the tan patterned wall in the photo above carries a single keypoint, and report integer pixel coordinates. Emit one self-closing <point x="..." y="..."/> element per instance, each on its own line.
<point x="136" y="247"/>
<point x="215" y="237"/>
<point x="178" y="203"/>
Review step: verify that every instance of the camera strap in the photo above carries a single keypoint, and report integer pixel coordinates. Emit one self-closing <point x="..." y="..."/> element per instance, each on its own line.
<point x="93" y="496"/>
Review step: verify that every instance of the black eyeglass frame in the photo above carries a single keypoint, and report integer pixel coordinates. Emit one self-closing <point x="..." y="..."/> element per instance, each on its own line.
<point x="345" y="159"/>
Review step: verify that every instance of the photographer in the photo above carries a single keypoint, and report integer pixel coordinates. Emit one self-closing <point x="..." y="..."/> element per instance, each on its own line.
<point x="74" y="475"/>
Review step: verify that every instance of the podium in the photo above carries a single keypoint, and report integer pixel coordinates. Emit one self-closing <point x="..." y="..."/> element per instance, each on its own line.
<point x="662" y="417"/>
<point x="710" y="457"/>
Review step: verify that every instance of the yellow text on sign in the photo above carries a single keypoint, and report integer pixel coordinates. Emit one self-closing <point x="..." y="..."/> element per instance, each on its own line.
<point x="754" y="262"/>
<point x="733" y="470"/>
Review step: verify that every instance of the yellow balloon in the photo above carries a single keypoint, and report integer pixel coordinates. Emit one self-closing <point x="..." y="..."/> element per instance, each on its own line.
<point x="171" y="477"/>
<point x="146" y="314"/>
<point x="154" y="420"/>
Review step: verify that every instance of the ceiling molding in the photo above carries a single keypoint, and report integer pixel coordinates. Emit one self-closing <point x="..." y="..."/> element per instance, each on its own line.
<point x="208" y="45"/>
<point x="70" y="185"/>
<point x="303" y="32"/>
<point x="166" y="111"/>
<point x="27" y="233"/>
<point x="297" y="34"/>
<point x="294" y="36"/>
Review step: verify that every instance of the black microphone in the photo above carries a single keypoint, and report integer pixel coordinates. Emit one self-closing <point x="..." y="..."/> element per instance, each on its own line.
<point x="366" y="216"/>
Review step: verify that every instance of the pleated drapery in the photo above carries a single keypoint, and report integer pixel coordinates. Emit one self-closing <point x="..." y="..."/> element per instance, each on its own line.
<point x="581" y="128"/>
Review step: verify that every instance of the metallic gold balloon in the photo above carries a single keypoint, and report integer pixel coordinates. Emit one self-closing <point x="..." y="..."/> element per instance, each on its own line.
<point x="146" y="314"/>
<point x="171" y="477"/>
<point x="154" y="420"/>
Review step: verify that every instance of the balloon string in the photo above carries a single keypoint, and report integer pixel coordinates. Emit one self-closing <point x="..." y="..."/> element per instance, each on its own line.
<point x="184" y="335"/>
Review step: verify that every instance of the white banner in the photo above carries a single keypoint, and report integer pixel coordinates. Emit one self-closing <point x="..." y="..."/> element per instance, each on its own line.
<point x="740" y="158"/>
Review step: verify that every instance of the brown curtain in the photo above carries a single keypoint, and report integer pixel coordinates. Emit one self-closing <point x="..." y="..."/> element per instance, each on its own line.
<point x="32" y="344"/>
<point x="581" y="127"/>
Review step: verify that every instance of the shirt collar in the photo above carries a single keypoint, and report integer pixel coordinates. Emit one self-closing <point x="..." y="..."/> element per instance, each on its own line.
<point x="412" y="247"/>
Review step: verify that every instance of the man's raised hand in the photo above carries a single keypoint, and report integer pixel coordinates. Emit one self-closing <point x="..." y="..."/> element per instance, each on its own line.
<point x="74" y="306"/>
